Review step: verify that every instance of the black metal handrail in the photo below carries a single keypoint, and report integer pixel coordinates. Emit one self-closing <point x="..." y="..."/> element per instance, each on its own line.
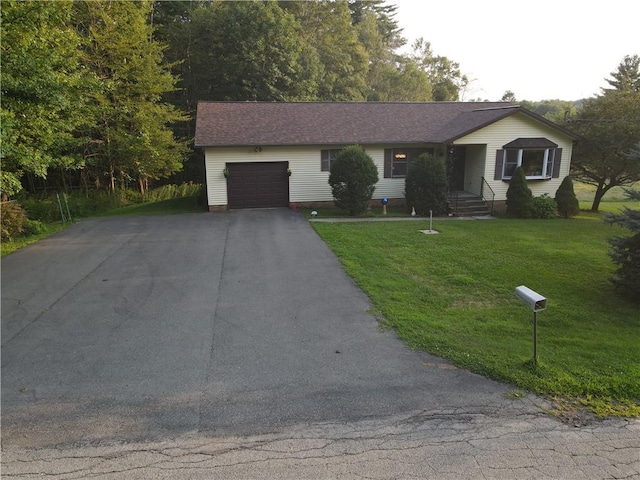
<point x="492" y="193"/>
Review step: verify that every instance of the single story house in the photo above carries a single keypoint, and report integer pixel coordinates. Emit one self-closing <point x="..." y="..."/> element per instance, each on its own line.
<point x="272" y="154"/>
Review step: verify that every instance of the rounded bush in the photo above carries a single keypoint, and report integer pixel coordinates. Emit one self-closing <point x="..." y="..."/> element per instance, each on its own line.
<point x="544" y="207"/>
<point x="34" y="227"/>
<point x="426" y="185"/>
<point x="353" y="177"/>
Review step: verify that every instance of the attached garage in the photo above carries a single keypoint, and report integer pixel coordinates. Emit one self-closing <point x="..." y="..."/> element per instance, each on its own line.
<point x="251" y="148"/>
<point x="258" y="184"/>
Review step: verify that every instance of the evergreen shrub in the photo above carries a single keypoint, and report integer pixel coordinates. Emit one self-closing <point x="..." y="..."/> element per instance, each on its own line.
<point x="352" y="178"/>
<point x="426" y="185"/>
<point x="625" y="251"/>
<point x="519" y="196"/>
<point x="568" y="205"/>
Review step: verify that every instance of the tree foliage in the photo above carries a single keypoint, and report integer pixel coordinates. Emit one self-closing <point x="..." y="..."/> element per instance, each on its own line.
<point x="97" y="91"/>
<point x="130" y="138"/>
<point x="519" y="196"/>
<point x="82" y="84"/>
<point x="352" y="178"/>
<point x="625" y="250"/>
<point x="626" y="78"/>
<point x="42" y="84"/>
<point x="609" y="125"/>
<point x="426" y="185"/>
<point x="568" y="205"/>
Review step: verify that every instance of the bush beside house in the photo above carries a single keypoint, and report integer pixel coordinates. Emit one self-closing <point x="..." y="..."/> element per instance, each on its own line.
<point x="353" y="177"/>
<point x="568" y="205"/>
<point x="426" y="185"/>
<point x="519" y="196"/>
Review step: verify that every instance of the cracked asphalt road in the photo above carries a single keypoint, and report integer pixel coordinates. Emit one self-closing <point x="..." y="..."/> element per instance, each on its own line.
<point x="234" y="346"/>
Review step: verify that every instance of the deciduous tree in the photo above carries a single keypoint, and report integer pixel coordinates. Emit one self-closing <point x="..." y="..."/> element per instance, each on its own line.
<point x="130" y="138"/>
<point x="42" y="90"/>
<point x="609" y="126"/>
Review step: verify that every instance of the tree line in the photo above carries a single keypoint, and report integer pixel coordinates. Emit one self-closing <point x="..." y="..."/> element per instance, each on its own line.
<point x="103" y="93"/>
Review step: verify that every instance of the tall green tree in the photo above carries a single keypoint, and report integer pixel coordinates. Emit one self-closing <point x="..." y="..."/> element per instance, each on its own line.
<point x="444" y="74"/>
<point x="609" y="126"/>
<point x="130" y="138"/>
<point x="332" y="49"/>
<point x="626" y="78"/>
<point x="42" y="90"/>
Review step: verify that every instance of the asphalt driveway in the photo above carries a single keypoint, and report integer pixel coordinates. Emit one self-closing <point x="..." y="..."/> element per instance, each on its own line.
<point x="142" y="328"/>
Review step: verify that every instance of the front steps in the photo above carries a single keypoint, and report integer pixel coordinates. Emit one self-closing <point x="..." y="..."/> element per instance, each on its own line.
<point x="465" y="204"/>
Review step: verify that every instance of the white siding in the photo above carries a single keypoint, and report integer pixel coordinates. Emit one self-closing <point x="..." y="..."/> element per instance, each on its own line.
<point x="307" y="182"/>
<point x="500" y="133"/>
<point x="474" y="168"/>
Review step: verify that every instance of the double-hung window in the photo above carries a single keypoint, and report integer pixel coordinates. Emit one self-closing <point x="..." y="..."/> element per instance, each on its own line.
<point x="538" y="157"/>
<point x="327" y="157"/>
<point x="398" y="160"/>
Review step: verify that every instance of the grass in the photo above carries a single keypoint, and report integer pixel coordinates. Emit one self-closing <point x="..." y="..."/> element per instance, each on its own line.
<point x="21" y="242"/>
<point x="453" y="295"/>
<point x="164" y="207"/>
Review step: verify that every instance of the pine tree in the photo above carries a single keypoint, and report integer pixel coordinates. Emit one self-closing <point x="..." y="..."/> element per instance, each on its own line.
<point x="42" y="90"/>
<point x="627" y="77"/>
<point x="625" y="250"/>
<point x="568" y="204"/>
<point x="519" y="196"/>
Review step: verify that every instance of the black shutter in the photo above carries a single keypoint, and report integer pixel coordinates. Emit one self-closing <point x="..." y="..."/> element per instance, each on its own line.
<point x="388" y="153"/>
<point x="557" y="156"/>
<point x="324" y="161"/>
<point x="499" y="164"/>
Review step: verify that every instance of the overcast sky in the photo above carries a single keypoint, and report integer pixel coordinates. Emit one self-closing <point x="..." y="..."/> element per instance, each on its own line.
<point x="540" y="50"/>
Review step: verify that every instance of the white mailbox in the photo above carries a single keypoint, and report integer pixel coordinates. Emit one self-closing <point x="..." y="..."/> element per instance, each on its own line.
<point x="533" y="300"/>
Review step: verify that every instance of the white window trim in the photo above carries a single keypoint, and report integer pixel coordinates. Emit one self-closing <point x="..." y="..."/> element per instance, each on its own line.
<point x="547" y="166"/>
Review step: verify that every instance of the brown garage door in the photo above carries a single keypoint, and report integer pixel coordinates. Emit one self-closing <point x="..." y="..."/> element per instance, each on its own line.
<point x="258" y="185"/>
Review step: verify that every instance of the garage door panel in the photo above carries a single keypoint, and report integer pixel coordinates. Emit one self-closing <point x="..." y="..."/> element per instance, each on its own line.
<point x="258" y="185"/>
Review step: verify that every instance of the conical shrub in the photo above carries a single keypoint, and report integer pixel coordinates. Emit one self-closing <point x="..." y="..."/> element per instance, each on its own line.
<point x="519" y="196"/>
<point x="568" y="205"/>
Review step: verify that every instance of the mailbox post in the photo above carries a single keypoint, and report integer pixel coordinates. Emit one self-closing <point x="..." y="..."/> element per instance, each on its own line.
<point x="536" y="303"/>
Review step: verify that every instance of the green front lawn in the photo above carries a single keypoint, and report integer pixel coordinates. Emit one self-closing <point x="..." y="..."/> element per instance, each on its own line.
<point x="452" y="294"/>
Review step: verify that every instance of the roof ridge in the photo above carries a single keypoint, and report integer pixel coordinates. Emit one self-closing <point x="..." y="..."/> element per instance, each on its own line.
<point x="501" y="107"/>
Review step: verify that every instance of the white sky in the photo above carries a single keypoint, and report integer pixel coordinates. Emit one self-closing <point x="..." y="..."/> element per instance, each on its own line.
<point x="540" y="50"/>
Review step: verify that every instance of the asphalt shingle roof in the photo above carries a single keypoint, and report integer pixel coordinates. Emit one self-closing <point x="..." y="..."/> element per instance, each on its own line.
<point x="339" y="123"/>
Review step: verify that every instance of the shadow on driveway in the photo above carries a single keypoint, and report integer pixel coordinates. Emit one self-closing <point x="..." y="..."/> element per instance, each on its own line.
<point x="144" y="328"/>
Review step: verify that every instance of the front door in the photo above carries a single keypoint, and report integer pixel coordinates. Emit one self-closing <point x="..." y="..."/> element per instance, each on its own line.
<point x="457" y="157"/>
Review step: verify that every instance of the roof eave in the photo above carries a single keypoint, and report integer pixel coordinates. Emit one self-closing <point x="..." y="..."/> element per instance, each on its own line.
<point x="509" y="112"/>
